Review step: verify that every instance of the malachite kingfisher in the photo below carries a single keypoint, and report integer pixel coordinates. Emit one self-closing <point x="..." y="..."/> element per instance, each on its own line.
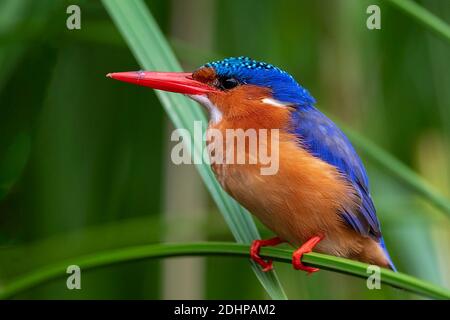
<point x="319" y="198"/>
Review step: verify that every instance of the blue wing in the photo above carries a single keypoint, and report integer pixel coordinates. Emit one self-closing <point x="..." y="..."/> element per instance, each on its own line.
<point x="326" y="141"/>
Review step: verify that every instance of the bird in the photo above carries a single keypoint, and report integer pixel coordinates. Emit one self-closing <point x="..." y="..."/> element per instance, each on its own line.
<point x="319" y="199"/>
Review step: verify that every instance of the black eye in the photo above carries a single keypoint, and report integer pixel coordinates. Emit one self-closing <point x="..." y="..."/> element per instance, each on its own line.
<point x="228" y="83"/>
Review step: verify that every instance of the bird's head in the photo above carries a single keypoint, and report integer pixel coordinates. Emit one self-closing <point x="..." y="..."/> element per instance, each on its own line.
<point x="233" y="87"/>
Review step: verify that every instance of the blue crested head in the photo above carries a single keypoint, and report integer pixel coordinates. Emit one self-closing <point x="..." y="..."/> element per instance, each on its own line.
<point x="248" y="71"/>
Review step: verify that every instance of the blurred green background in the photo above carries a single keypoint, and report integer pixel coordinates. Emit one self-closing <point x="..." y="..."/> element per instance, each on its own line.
<point x="85" y="161"/>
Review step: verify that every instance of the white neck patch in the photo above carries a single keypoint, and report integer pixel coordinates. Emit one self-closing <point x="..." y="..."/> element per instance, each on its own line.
<point x="274" y="103"/>
<point x="216" y="115"/>
<point x="214" y="112"/>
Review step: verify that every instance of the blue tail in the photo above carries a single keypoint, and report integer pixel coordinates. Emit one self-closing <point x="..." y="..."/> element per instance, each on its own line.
<point x="391" y="264"/>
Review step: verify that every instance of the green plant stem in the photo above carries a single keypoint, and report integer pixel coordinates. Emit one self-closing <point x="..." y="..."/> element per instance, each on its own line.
<point x="118" y="256"/>
<point x="424" y="17"/>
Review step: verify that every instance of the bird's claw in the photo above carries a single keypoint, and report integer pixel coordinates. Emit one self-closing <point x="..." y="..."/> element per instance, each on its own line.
<point x="298" y="265"/>
<point x="298" y="254"/>
<point x="266" y="265"/>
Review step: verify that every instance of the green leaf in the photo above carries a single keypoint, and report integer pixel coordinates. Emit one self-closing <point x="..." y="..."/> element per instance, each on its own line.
<point x="128" y="254"/>
<point x="152" y="51"/>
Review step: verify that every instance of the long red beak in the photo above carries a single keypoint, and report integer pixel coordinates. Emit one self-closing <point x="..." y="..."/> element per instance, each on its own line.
<point x="180" y="82"/>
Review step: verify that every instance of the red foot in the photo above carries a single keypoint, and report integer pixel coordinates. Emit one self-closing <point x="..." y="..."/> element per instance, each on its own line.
<point x="256" y="247"/>
<point x="305" y="248"/>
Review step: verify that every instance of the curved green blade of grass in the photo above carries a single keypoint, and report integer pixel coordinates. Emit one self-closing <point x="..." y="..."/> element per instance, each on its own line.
<point x="424" y="17"/>
<point x="152" y="51"/>
<point x="128" y="254"/>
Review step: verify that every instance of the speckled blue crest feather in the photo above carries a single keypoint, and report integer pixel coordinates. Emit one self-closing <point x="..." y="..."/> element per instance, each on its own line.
<point x="249" y="71"/>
